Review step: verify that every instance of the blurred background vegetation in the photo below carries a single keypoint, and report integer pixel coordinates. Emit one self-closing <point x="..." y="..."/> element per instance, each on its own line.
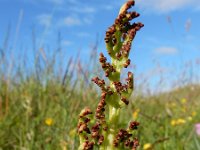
<point x="42" y="92"/>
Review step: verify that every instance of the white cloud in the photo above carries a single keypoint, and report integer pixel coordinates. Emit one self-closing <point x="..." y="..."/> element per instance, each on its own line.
<point x="44" y="19"/>
<point x="83" y="34"/>
<point x="66" y="43"/>
<point x="57" y="2"/>
<point x="108" y="7"/>
<point x="70" y="21"/>
<point x="74" y="20"/>
<point x="87" y="20"/>
<point x="164" y="6"/>
<point x="83" y="9"/>
<point x="166" y="50"/>
<point x="73" y="1"/>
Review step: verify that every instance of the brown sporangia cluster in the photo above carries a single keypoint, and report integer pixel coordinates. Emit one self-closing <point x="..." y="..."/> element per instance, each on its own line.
<point x="124" y="137"/>
<point x="107" y="67"/>
<point x="83" y="126"/>
<point x="134" y="125"/>
<point x="118" y="41"/>
<point x="95" y="133"/>
<point x="127" y="63"/>
<point x="130" y="80"/>
<point x="127" y="30"/>
<point x="100" y="83"/>
<point x="88" y="145"/>
<point x="123" y="88"/>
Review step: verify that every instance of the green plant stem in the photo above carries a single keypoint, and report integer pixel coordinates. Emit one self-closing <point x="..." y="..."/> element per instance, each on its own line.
<point x="114" y="111"/>
<point x="113" y="120"/>
<point x="81" y="141"/>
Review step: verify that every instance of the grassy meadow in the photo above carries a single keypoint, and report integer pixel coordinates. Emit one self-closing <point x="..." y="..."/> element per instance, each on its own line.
<point x="39" y="107"/>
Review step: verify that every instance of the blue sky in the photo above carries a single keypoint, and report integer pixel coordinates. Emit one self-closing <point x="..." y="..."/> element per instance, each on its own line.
<point x="169" y="39"/>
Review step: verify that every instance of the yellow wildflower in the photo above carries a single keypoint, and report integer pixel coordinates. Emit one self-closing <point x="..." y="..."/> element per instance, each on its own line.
<point x="173" y="122"/>
<point x="180" y="121"/>
<point x="135" y="113"/>
<point x="49" y="121"/>
<point x="183" y="100"/>
<point x="177" y="122"/>
<point x="189" y="118"/>
<point x="194" y="113"/>
<point x="147" y="146"/>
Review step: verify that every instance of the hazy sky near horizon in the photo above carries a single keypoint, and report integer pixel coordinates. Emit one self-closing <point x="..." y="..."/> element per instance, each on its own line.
<point x="170" y="37"/>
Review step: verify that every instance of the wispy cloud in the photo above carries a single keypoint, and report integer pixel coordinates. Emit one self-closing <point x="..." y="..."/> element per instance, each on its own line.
<point x="70" y="21"/>
<point x="82" y="34"/>
<point x="66" y="43"/>
<point x="56" y="2"/>
<point x="44" y="19"/>
<point x="87" y="20"/>
<point x="108" y="7"/>
<point x="83" y="9"/>
<point x="166" y="50"/>
<point x="74" y="1"/>
<point x="74" y="20"/>
<point x="164" y="6"/>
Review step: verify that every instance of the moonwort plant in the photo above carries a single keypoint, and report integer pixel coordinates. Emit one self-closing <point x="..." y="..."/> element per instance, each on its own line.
<point x="104" y="133"/>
